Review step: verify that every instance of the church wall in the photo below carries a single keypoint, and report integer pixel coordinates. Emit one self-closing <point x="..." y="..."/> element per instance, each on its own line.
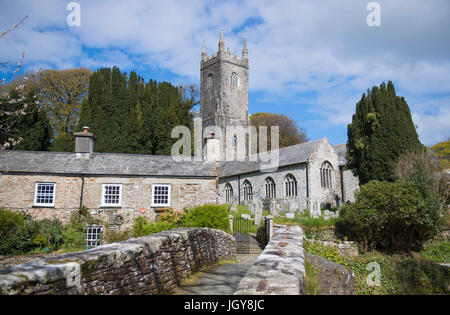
<point x="324" y="152"/>
<point x="257" y="181"/>
<point x="351" y="185"/>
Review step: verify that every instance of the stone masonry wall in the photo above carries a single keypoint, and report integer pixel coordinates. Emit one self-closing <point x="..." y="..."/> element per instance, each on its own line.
<point x="154" y="264"/>
<point x="18" y="190"/>
<point x="280" y="269"/>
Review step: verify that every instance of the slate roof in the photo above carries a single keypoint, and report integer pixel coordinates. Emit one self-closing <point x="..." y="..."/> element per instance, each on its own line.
<point x="102" y="164"/>
<point x="295" y="154"/>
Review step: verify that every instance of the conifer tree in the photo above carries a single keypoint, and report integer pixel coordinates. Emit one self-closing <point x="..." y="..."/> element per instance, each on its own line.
<point x="128" y="115"/>
<point x="382" y="129"/>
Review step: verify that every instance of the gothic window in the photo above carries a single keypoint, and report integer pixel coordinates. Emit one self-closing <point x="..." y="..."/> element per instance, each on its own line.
<point x="270" y="188"/>
<point x="228" y="193"/>
<point x="325" y="175"/>
<point x="209" y="81"/>
<point x="234" y="81"/>
<point x="248" y="190"/>
<point x="290" y="185"/>
<point x="234" y="142"/>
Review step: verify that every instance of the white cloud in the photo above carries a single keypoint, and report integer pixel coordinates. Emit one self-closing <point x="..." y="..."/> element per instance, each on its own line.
<point x="296" y="48"/>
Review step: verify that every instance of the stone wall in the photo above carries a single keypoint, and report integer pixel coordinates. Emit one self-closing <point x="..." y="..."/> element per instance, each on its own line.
<point x="334" y="278"/>
<point x="154" y="264"/>
<point x="280" y="269"/>
<point x="18" y="190"/>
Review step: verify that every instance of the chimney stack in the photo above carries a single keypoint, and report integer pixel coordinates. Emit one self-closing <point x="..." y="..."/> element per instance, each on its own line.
<point x="84" y="141"/>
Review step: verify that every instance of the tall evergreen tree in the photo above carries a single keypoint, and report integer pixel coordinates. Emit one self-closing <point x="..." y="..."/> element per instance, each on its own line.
<point x="381" y="130"/>
<point x="128" y="115"/>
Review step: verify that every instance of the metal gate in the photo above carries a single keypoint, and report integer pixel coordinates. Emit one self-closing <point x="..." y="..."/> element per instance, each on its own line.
<point x="241" y="230"/>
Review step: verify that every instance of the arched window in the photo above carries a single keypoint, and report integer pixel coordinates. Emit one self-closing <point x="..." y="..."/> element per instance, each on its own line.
<point x="248" y="190"/>
<point x="209" y="81"/>
<point x="234" y="141"/>
<point x="234" y="80"/>
<point x="270" y="188"/>
<point x="228" y="193"/>
<point x="325" y="175"/>
<point x="290" y="184"/>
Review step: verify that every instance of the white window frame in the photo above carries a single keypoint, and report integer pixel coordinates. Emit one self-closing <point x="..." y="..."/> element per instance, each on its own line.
<point x="168" y="195"/>
<point x="36" y="195"/>
<point x="93" y="236"/>
<point x="119" y="204"/>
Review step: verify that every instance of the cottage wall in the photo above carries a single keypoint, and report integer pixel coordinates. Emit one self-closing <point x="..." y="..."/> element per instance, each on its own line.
<point x="17" y="193"/>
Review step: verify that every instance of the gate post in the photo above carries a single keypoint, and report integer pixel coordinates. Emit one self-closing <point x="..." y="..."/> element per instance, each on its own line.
<point x="230" y="218"/>
<point x="269" y="228"/>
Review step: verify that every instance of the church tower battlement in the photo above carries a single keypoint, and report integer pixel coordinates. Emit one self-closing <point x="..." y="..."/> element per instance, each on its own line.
<point x="224" y="90"/>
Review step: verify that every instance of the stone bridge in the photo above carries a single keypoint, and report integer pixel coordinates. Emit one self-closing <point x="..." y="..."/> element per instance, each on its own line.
<point x="153" y="264"/>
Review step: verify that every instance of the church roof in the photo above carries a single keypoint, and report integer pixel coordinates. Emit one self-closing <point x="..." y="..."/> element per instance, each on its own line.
<point x="295" y="154"/>
<point x="102" y="164"/>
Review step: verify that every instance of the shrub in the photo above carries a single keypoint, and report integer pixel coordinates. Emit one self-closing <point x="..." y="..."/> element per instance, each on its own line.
<point x="208" y="216"/>
<point x="17" y="232"/>
<point x="389" y="216"/>
<point x="438" y="252"/>
<point x="50" y="234"/>
<point x="171" y="216"/>
<point x="74" y="233"/>
<point x="142" y="226"/>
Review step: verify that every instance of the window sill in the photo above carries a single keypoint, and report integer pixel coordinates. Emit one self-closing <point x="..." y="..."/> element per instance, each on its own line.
<point x="43" y="206"/>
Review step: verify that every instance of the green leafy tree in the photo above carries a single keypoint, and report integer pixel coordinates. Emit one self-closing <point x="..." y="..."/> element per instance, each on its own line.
<point x="442" y="153"/>
<point x="24" y="125"/>
<point x="290" y="133"/>
<point x="391" y="216"/>
<point x="381" y="130"/>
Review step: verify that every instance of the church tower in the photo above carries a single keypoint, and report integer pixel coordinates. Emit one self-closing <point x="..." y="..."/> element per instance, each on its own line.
<point x="224" y="92"/>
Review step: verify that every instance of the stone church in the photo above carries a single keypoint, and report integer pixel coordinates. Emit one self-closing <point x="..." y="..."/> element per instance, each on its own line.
<point x="120" y="187"/>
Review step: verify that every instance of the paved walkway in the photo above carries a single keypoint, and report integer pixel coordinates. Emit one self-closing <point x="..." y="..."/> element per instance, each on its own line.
<point x="222" y="280"/>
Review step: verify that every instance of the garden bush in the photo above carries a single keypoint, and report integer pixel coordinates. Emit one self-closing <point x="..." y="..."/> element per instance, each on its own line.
<point x="17" y="233"/>
<point x="74" y="233"/>
<point x="50" y="234"/>
<point x="208" y="216"/>
<point x="142" y="226"/>
<point x="391" y="216"/>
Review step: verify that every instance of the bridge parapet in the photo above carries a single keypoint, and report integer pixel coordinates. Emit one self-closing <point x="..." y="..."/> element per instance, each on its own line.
<point x="280" y="269"/>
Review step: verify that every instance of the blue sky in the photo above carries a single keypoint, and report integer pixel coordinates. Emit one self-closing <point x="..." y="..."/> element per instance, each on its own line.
<point x="310" y="60"/>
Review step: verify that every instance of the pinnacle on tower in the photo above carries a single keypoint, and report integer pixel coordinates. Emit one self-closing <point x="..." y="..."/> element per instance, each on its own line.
<point x="244" y="49"/>
<point x="221" y="43"/>
<point x="204" y="51"/>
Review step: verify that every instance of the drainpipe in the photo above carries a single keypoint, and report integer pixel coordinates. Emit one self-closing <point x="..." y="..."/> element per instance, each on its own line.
<point x="239" y="189"/>
<point x="82" y="190"/>
<point x="307" y="180"/>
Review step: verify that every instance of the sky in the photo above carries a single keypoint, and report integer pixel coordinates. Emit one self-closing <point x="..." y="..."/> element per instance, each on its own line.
<point x="310" y="60"/>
